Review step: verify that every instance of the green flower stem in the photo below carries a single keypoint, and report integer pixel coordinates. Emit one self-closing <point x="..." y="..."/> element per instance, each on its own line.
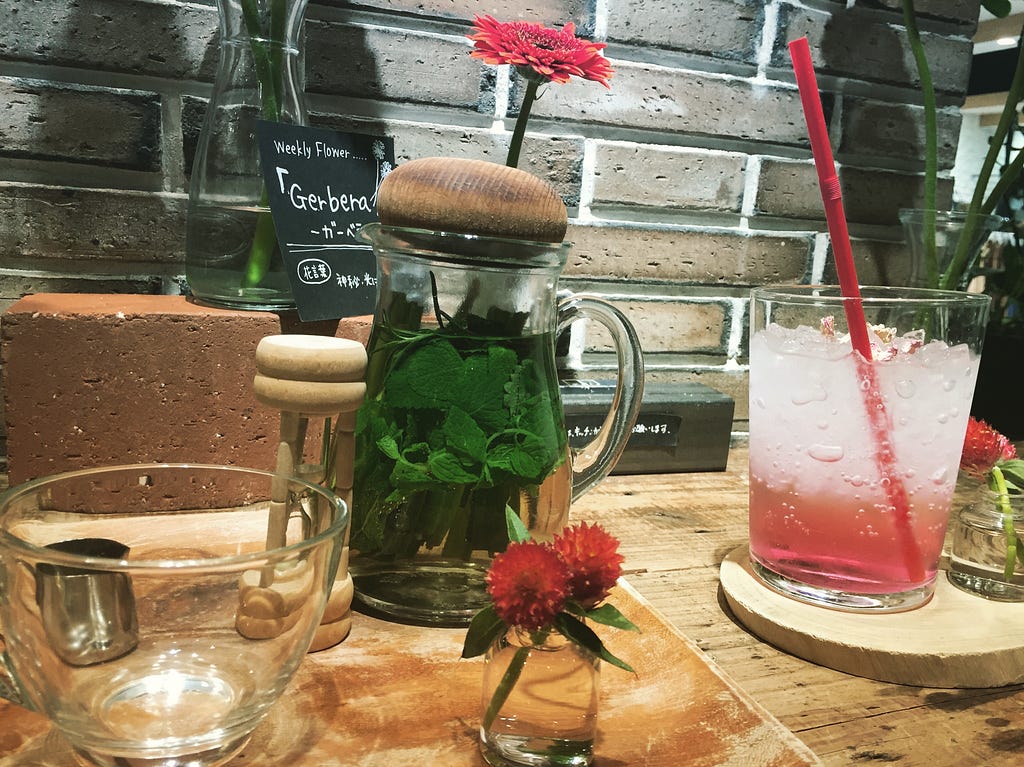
<point x="268" y="70"/>
<point x="981" y="206"/>
<point x="516" y="144"/>
<point x="1007" y="512"/>
<point x="267" y="53"/>
<point x="510" y="677"/>
<point x="931" y="143"/>
<point x="264" y="241"/>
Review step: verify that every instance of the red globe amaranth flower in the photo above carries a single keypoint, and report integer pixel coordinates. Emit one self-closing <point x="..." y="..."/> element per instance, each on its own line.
<point x="984" y="447"/>
<point x="529" y="584"/>
<point x="552" y="54"/>
<point x="594" y="562"/>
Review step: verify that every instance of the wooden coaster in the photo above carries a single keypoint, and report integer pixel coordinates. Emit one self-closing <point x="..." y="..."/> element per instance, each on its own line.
<point x="955" y="640"/>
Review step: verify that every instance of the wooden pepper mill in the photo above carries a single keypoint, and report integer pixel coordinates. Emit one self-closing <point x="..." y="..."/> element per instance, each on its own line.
<point x="306" y="376"/>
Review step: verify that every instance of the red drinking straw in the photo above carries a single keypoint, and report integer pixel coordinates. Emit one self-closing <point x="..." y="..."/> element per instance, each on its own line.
<point x="874" y="403"/>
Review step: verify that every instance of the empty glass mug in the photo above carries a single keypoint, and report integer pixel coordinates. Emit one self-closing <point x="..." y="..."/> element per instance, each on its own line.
<point x="147" y="612"/>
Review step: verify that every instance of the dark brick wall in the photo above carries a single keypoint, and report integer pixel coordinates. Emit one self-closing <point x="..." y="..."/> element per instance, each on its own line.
<point x="688" y="181"/>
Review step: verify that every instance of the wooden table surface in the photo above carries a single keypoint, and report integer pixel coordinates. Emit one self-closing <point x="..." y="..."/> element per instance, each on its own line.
<point x="675" y="531"/>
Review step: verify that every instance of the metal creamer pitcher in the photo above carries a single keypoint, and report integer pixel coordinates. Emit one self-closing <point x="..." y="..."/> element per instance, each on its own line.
<point x="463" y="417"/>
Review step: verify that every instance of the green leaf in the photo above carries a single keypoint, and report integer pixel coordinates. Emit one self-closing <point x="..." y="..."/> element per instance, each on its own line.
<point x="517" y="532"/>
<point x="1013" y="472"/>
<point x="577" y="631"/>
<point x="446" y="468"/>
<point x="485" y="627"/>
<point x="407" y="475"/>
<point x="609" y="615"/>
<point x="423" y="378"/>
<point x="480" y="389"/>
<point x="389" y="447"/>
<point x="463" y="437"/>
<point x="998" y="8"/>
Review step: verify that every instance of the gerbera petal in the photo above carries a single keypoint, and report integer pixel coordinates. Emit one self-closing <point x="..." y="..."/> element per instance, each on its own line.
<point x="555" y="55"/>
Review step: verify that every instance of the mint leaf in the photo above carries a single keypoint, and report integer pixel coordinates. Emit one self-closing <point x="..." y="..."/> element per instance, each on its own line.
<point x="480" y="388"/>
<point x="463" y="437"/>
<point x="423" y="378"/>
<point x="446" y="468"/>
<point x="389" y="447"/>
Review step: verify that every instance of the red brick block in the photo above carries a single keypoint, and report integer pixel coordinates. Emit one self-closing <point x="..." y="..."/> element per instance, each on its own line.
<point x="94" y="379"/>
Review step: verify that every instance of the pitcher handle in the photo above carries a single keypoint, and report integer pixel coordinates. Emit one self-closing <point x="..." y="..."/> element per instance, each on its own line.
<point x="593" y="461"/>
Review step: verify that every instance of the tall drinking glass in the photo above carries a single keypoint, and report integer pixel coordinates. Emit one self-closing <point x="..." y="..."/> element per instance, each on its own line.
<point x="853" y="462"/>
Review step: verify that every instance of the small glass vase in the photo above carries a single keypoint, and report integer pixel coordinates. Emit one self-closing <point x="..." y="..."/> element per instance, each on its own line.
<point x="232" y="258"/>
<point x="539" y="703"/>
<point x="948" y="226"/>
<point x="981" y="538"/>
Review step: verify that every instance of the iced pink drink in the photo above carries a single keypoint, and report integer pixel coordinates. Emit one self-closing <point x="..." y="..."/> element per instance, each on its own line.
<point x="822" y="521"/>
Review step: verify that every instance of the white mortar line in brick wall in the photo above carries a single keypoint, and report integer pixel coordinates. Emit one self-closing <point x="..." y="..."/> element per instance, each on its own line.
<point x="820" y="256"/>
<point x="600" y="19"/>
<point x="769" y="31"/>
<point x="583" y="214"/>
<point x="171" y="155"/>
<point x="734" y="345"/>
<point x="750" y="185"/>
<point x="502" y="88"/>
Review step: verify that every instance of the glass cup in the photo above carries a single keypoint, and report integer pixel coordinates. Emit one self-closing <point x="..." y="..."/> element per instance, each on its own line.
<point x="147" y="612"/>
<point x="853" y="463"/>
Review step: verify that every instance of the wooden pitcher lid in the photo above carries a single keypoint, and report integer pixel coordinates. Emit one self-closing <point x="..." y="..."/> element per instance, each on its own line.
<point x="453" y="194"/>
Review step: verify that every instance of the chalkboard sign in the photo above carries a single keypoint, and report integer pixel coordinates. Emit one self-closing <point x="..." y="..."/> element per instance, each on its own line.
<point x="322" y="187"/>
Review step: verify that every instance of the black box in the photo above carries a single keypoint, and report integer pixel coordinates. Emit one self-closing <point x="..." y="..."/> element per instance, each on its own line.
<point x="681" y="426"/>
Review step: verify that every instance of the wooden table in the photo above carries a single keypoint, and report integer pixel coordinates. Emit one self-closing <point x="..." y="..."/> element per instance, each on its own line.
<point x="675" y="531"/>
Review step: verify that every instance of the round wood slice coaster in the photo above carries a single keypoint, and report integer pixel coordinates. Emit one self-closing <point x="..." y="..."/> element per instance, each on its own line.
<point x="955" y="640"/>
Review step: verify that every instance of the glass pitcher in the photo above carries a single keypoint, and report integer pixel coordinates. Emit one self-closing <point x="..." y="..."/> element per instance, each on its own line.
<point x="463" y="417"/>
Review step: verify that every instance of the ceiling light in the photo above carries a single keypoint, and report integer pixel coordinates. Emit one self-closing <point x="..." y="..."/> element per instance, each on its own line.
<point x="1006" y="41"/>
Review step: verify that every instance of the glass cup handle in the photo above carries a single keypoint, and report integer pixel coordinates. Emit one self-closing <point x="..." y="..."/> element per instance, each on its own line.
<point x="592" y="462"/>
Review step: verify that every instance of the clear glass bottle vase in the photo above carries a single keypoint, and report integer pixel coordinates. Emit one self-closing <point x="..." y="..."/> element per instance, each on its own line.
<point x="987" y="554"/>
<point x="930" y="259"/>
<point x="540" y="701"/>
<point x="232" y="257"/>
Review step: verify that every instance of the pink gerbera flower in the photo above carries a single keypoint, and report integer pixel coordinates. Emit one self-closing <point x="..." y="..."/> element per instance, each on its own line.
<point x="540" y="55"/>
<point x="539" y="52"/>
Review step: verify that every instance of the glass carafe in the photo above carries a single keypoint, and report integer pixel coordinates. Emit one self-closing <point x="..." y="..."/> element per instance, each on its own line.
<point x="232" y="258"/>
<point x="463" y="418"/>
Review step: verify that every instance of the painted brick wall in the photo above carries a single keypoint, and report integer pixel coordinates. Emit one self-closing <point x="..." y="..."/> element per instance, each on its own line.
<point x="689" y="181"/>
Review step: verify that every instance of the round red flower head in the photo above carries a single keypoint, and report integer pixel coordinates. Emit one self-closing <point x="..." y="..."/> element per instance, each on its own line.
<point x="594" y="562"/>
<point x="529" y="584"/>
<point x="984" y="447"/>
<point x="540" y="53"/>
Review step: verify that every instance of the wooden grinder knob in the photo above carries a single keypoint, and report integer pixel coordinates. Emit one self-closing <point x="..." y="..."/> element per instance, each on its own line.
<point x="471" y="197"/>
<point x="310" y="375"/>
<point x="302" y="376"/>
